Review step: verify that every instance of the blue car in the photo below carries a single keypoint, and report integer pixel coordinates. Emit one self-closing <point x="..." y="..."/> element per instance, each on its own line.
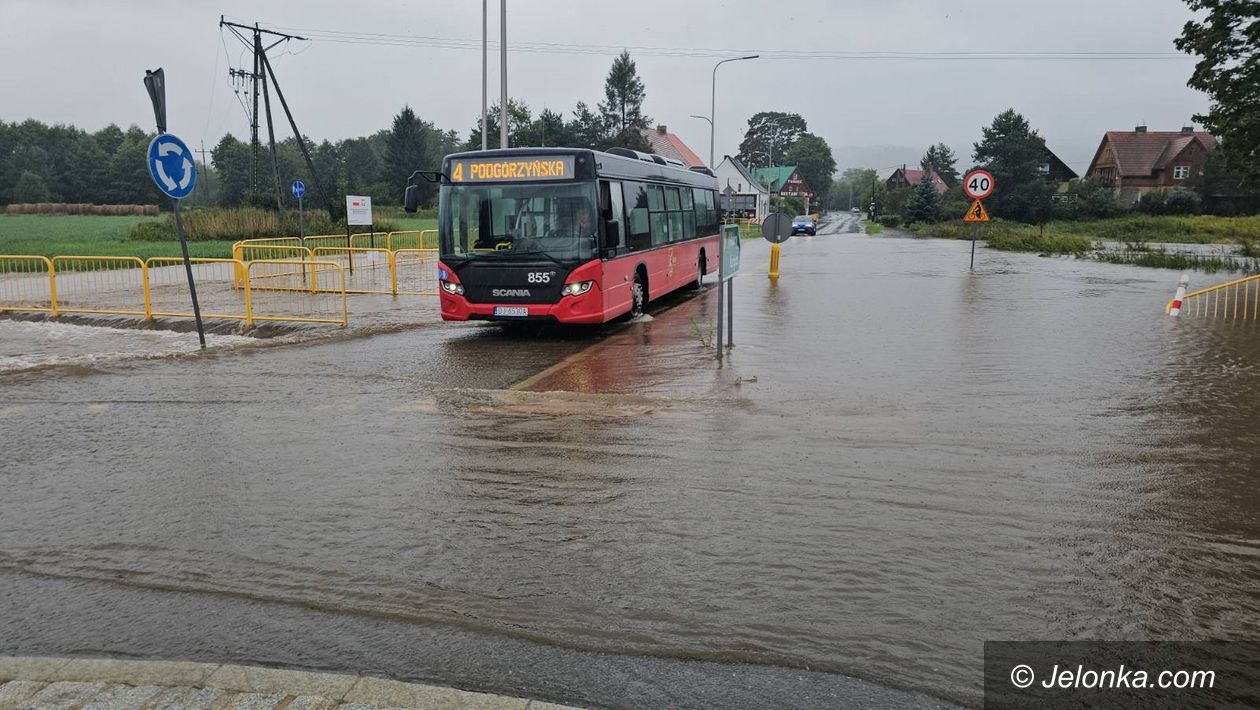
<point x="804" y="225"/>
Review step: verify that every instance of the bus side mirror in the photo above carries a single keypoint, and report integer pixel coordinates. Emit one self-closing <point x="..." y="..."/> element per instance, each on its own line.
<point x="411" y="199"/>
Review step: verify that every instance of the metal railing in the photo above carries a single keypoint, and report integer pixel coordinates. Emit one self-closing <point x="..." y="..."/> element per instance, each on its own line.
<point x="1238" y="299"/>
<point x="299" y="290"/>
<point x="27" y="284"/>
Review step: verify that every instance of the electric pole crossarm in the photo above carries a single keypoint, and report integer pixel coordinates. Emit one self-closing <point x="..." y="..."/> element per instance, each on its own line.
<point x="225" y="23"/>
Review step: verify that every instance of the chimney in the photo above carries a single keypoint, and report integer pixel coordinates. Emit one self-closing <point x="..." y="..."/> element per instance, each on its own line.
<point x="1139" y="129"/>
<point x="1187" y="129"/>
<point x="661" y="129"/>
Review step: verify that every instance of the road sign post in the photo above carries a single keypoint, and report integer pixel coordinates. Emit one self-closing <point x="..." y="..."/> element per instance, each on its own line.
<point x="728" y="266"/>
<point x="299" y="189"/>
<point x="978" y="184"/>
<point x="174" y="171"/>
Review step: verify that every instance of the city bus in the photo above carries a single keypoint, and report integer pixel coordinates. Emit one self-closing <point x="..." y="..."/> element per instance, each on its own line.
<point x="568" y="235"/>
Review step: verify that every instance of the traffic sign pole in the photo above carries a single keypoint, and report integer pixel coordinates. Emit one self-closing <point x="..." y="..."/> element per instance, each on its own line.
<point x="978" y="184"/>
<point x="299" y="189"/>
<point x="192" y="284"/>
<point x="174" y="171"/>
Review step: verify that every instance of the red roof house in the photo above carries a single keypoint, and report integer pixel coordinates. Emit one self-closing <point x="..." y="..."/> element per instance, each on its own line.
<point x="668" y="145"/>
<point x="1139" y="161"/>
<point x="908" y="178"/>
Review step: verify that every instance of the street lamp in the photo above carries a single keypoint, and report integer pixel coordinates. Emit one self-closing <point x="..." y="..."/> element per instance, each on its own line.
<point x="713" y="104"/>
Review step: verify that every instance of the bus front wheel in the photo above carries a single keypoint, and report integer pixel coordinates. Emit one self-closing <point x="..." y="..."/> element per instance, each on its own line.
<point x="638" y="296"/>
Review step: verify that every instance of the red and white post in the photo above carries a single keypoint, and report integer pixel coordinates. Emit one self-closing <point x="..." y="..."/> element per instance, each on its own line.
<point x="1175" y="308"/>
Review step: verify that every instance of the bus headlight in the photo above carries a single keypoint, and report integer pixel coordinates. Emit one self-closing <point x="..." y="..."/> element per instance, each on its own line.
<point x="452" y="288"/>
<point x="576" y="289"/>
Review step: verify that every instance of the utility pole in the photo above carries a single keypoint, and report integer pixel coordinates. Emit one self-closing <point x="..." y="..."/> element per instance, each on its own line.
<point x="263" y="71"/>
<point x="253" y="126"/>
<point x="484" y="75"/>
<point x="503" y="95"/>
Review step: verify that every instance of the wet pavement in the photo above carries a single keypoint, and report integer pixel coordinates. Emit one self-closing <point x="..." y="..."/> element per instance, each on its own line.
<point x="898" y="460"/>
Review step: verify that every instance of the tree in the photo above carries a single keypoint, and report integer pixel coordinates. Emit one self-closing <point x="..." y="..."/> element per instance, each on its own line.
<point x="769" y="135"/>
<point x="812" y="157"/>
<point x="941" y="158"/>
<point x="519" y="120"/>
<point x="1227" y="41"/>
<point x="924" y="204"/>
<point x="30" y="187"/>
<point x="1014" y="152"/>
<point x="622" y="107"/>
<point x="232" y="162"/>
<point x="411" y="145"/>
<point x="586" y="128"/>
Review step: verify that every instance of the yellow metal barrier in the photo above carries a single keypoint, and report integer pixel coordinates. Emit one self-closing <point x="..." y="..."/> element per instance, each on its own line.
<point x="413" y="239"/>
<point x="327" y="240"/>
<point x="1238" y="299"/>
<point x="369" y="240"/>
<point x="110" y="285"/>
<point x="415" y="272"/>
<point x="27" y="283"/>
<point x="217" y="289"/>
<point x="367" y="270"/>
<point x="296" y="290"/>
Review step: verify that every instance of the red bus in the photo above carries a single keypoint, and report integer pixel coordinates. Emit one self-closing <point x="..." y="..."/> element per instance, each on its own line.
<point x="569" y="235"/>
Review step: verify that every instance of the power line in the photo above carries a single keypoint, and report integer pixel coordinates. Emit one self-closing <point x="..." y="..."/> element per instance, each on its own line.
<point x="431" y="42"/>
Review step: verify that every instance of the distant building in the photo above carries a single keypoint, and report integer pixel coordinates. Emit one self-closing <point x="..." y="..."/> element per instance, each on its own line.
<point x="668" y="145"/>
<point x="741" y="193"/>
<point x="1055" y="170"/>
<point x="1140" y="161"/>
<point x="784" y="180"/>
<point x="902" y="177"/>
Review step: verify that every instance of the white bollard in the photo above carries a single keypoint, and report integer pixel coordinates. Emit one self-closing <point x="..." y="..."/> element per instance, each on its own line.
<point x="1175" y="308"/>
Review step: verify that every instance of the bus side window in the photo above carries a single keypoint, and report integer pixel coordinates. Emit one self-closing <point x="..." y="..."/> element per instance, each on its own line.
<point x="638" y="231"/>
<point x="610" y="200"/>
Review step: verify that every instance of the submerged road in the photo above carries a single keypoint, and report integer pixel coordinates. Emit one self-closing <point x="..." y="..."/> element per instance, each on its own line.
<point x="899" y="460"/>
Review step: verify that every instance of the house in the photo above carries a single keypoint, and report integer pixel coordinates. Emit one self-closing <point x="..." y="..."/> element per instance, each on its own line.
<point x="1139" y="161"/>
<point x="668" y="145"/>
<point x="784" y="180"/>
<point x="902" y="177"/>
<point x="741" y="193"/>
<point x="1055" y="170"/>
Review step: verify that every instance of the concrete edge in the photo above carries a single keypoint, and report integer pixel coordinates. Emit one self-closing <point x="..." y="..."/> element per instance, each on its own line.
<point x="338" y="687"/>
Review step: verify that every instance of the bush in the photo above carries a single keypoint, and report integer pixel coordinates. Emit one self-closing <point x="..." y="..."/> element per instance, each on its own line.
<point x="889" y="220"/>
<point x="874" y="228"/>
<point x="215" y="224"/>
<point x="1174" y="202"/>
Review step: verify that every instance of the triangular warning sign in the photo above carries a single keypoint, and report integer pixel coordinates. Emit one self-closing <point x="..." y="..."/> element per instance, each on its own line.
<point x="977" y="213"/>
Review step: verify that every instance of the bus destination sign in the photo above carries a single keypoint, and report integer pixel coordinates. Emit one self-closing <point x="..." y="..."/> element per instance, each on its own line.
<point x="550" y="167"/>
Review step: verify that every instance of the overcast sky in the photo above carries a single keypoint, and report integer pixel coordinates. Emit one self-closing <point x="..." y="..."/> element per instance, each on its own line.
<point x="82" y="62"/>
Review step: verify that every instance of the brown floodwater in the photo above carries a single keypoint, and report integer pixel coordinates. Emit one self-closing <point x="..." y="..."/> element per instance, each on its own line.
<point x="899" y="460"/>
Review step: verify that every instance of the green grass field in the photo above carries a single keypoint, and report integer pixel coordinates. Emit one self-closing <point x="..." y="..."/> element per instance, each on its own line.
<point x="81" y="235"/>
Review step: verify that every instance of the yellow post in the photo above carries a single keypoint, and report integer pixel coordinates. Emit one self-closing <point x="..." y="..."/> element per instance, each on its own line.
<point x="774" y="261"/>
<point x="393" y="273"/>
<point x="52" y="285"/>
<point x="148" y="299"/>
<point x="249" y="304"/>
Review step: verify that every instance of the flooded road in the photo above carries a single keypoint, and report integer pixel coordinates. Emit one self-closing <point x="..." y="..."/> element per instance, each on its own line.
<point x="898" y="461"/>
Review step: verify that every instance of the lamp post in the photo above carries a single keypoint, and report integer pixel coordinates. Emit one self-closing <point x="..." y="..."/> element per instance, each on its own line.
<point x="713" y="101"/>
<point x="484" y="83"/>
<point x="503" y="96"/>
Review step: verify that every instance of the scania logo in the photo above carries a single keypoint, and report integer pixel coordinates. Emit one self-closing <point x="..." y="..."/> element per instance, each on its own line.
<point x="502" y="292"/>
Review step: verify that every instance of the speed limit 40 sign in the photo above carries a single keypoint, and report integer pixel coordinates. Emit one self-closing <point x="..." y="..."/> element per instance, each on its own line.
<point x="978" y="184"/>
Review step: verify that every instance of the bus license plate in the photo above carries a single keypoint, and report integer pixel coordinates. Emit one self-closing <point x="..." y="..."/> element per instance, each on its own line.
<point x="511" y="311"/>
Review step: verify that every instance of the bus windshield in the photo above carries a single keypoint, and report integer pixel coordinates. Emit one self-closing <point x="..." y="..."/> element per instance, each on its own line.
<point x="502" y="221"/>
